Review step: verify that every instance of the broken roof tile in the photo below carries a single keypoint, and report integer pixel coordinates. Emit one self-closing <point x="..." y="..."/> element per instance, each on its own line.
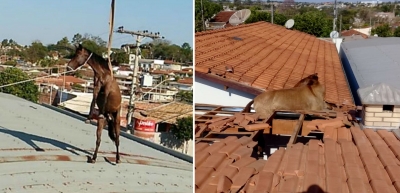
<point x="343" y="166"/>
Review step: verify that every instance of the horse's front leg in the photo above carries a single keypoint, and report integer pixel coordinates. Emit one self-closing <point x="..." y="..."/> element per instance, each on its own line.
<point x="96" y="91"/>
<point x="90" y="117"/>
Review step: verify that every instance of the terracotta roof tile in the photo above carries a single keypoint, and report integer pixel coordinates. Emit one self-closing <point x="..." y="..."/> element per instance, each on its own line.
<point x="223" y="16"/>
<point x="352" y="32"/>
<point x="366" y="165"/>
<point x="186" y="81"/>
<point x="268" y="56"/>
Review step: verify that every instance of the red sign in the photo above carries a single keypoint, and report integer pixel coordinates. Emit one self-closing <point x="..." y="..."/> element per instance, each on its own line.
<point x="145" y="125"/>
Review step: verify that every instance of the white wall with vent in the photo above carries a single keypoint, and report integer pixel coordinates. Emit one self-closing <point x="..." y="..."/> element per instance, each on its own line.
<point x="381" y="116"/>
<point x="381" y="106"/>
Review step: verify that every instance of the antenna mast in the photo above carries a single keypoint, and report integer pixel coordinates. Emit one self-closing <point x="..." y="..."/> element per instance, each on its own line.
<point x="335" y="14"/>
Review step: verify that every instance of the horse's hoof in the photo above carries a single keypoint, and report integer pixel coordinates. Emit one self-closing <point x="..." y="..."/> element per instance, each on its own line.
<point x="118" y="161"/>
<point x="87" y="121"/>
<point x="93" y="161"/>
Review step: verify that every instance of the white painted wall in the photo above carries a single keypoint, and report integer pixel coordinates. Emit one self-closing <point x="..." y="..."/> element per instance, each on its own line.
<point x="211" y="93"/>
<point x="338" y="42"/>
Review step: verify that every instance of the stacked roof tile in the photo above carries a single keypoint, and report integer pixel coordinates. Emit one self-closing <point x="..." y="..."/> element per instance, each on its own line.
<point x="369" y="164"/>
<point x="266" y="56"/>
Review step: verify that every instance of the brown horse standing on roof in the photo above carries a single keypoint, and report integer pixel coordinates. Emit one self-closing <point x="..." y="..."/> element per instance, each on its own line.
<point x="106" y="94"/>
<point x="307" y="94"/>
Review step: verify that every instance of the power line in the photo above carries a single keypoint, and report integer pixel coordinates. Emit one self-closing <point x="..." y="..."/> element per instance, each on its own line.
<point x="139" y="36"/>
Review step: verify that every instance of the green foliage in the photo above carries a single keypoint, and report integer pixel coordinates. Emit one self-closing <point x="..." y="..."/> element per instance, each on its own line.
<point x="10" y="63"/>
<point x="163" y="49"/>
<point x="382" y="31"/>
<point x="4" y="42"/>
<point x="47" y="62"/>
<point x="35" y="51"/>
<point x="396" y="32"/>
<point x="186" y="96"/>
<point x="314" y="22"/>
<point x="183" y="130"/>
<point x="120" y="57"/>
<point x="26" y="90"/>
<point x="77" y="87"/>
<point x="209" y="9"/>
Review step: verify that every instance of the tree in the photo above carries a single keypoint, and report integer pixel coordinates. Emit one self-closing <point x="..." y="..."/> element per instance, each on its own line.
<point x="209" y="9"/>
<point x="4" y="42"/>
<point x="382" y="31"/>
<point x="186" y="96"/>
<point x="120" y="57"/>
<point x="183" y="130"/>
<point x="35" y="51"/>
<point x="187" y="52"/>
<point x="397" y="32"/>
<point x="26" y="90"/>
<point x="77" y="39"/>
<point x="257" y="16"/>
<point x="314" y="22"/>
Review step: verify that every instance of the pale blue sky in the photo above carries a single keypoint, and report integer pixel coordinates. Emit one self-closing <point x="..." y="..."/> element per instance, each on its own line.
<point x="50" y="20"/>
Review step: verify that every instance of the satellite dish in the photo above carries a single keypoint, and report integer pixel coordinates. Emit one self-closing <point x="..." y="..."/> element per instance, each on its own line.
<point x="334" y="34"/>
<point x="289" y="23"/>
<point x="239" y="17"/>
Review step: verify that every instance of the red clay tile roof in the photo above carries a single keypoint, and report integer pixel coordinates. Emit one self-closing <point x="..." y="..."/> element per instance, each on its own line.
<point x="369" y="164"/>
<point x="267" y="56"/>
<point x="353" y="32"/>
<point x="72" y="79"/>
<point x="223" y="16"/>
<point x="165" y="72"/>
<point x="186" y="81"/>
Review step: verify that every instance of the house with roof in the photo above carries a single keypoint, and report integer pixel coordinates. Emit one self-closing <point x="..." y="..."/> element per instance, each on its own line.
<point x="235" y="64"/>
<point x="373" y="72"/>
<point x="353" y="33"/>
<point x="220" y="20"/>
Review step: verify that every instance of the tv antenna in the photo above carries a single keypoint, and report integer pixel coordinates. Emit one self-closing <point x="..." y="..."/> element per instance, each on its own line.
<point x="239" y="17"/>
<point x="289" y="23"/>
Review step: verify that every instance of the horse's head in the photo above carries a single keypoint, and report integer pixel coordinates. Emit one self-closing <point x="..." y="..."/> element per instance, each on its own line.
<point x="80" y="58"/>
<point x="308" y="81"/>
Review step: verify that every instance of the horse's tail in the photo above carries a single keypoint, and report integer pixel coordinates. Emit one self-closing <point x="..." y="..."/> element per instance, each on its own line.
<point x="111" y="129"/>
<point x="248" y="107"/>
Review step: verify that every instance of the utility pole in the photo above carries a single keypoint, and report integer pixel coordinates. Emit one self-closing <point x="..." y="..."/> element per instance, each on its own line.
<point x="340" y="26"/>
<point x="139" y="36"/>
<point x="272" y="13"/>
<point x="335" y="16"/>
<point x="203" y="24"/>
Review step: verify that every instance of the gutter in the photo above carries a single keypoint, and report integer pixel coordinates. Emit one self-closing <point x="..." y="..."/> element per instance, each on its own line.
<point x="158" y="147"/>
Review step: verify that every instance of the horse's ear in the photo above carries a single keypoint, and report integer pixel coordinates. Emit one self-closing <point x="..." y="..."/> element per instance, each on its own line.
<point x="311" y="82"/>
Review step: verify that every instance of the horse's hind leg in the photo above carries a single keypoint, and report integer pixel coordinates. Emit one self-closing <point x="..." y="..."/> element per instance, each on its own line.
<point x="116" y="122"/>
<point x="100" y="127"/>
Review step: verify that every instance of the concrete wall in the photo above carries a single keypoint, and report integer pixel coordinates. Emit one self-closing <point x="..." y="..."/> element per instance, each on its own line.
<point x="211" y="93"/>
<point x="374" y="115"/>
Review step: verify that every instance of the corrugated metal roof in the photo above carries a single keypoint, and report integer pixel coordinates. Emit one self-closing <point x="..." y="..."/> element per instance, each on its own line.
<point x="375" y="60"/>
<point x="42" y="150"/>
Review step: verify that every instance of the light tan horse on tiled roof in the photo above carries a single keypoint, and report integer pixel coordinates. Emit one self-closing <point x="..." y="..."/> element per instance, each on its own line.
<point x="307" y="94"/>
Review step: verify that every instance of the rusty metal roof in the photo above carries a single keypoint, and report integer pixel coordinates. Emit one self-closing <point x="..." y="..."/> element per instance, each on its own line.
<point x="42" y="150"/>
